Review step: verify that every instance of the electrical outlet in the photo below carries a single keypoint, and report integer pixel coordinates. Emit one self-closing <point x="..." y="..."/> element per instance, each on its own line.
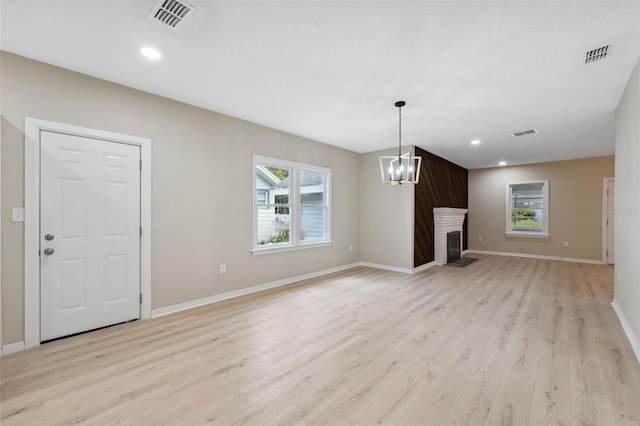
<point x="350" y="248"/>
<point x="479" y="238"/>
<point x="223" y="268"/>
<point x="566" y="244"/>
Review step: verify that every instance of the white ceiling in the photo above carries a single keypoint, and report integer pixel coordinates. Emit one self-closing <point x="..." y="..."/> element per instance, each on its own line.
<point x="332" y="70"/>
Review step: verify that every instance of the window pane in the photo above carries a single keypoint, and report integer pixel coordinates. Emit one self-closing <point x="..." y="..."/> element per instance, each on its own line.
<point x="313" y="222"/>
<point x="283" y="211"/>
<point x="272" y="179"/>
<point x="274" y="220"/>
<point x="262" y="197"/>
<point x="273" y="228"/>
<point x="527" y="207"/>
<point x="284" y="200"/>
<point x="312" y="186"/>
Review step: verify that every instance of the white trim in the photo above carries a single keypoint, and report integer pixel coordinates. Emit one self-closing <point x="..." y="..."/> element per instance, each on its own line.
<point x="605" y="216"/>
<point x="536" y="256"/>
<point x="526" y="234"/>
<point x="244" y="291"/>
<point x="276" y="249"/>
<point x="32" y="129"/>
<point x="12" y="348"/>
<point x="387" y="267"/>
<point x="423" y="267"/>
<point x="1" y="334"/>
<point x="279" y="283"/>
<point x="294" y="205"/>
<point x="633" y="339"/>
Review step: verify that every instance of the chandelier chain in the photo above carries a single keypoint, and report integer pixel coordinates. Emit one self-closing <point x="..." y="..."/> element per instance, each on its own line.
<point x="399" y="131"/>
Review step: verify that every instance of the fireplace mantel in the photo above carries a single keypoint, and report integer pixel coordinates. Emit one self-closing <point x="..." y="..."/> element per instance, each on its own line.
<point x="446" y="219"/>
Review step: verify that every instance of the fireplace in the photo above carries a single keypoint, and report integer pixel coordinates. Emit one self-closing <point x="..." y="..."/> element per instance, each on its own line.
<point x="453" y="246"/>
<point x="445" y="221"/>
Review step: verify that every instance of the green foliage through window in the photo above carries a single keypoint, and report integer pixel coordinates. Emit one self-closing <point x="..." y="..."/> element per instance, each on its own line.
<point x="281" y="174"/>
<point x="524" y="213"/>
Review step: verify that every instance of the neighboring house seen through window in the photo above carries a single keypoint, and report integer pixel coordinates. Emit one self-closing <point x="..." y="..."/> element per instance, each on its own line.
<point x="291" y="207"/>
<point x="527" y="208"/>
<point x="263" y="198"/>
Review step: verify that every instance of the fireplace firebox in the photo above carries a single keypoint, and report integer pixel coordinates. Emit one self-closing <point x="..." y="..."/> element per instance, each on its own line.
<point x="453" y="246"/>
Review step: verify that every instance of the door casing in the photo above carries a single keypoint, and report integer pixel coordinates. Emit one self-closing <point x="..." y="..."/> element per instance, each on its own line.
<point x="606" y="215"/>
<point x="32" y="129"/>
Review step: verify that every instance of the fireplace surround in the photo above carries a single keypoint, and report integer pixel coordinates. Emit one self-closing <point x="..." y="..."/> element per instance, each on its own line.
<point x="445" y="220"/>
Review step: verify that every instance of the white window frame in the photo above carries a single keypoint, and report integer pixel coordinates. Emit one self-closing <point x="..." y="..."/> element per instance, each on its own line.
<point x="545" y="210"/>
<point x="294" y="204"/>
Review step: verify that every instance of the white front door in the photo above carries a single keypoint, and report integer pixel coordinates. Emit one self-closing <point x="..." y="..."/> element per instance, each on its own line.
<point x="89" y="234"/>
<point x="610" y="220"/>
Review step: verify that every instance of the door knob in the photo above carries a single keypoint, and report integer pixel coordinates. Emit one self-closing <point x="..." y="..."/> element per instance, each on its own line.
<point x="49" y="251"/>
<point x="49" y="237"/>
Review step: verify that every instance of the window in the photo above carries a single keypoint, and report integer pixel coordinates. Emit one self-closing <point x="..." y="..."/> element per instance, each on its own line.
<point x="291" y="207"/>
<point x="527" y="208"/>
<point x="263" y="198"/>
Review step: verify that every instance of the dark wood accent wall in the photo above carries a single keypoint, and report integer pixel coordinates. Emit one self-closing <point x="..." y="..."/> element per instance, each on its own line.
<point x="442" y="184"/>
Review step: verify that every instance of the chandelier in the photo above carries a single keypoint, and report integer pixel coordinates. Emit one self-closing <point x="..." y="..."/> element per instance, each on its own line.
<point x="403" y="168"/>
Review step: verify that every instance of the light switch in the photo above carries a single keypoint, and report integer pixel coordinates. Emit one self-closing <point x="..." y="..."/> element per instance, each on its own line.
<point x="17" y="214"/>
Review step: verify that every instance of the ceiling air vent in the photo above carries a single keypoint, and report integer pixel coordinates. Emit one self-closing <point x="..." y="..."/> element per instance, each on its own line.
<point x="598" y="54"/>
<point x="524" y="132"/>
<point x="172" y="13"/>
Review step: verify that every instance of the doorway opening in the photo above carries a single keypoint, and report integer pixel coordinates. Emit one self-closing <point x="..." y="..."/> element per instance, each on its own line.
<point x="34" y="129"/>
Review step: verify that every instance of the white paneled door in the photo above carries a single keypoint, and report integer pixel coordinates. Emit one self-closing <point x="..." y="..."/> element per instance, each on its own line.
<point x="611" y="222"/>
<point x="89" y="234"/>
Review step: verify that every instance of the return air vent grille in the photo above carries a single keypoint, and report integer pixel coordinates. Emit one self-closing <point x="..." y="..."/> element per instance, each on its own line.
<point x="598" y="54"/>
<point x="172" y="13"/>
<point x="524" y="132"/>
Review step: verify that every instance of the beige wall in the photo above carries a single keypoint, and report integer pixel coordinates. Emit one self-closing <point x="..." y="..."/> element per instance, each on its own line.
<point x="627" y="203"/>
<point x="386" y="216"/>
<point x="575" y="208"/>
<point x="201" y="184"/>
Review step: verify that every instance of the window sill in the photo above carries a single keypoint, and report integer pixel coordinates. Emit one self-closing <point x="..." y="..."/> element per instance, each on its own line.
<point x="270" y="250"/>
<point x="527" y="234"/>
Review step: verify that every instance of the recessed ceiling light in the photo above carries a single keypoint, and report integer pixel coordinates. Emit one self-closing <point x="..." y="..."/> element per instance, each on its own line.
<point x="150" y="52"/>
<point x="475" y="142"/>
<point x="502" y="163"/>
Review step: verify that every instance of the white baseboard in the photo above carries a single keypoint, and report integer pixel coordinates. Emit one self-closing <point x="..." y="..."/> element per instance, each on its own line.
<point x="397" y="268"/>
<point x="12" y="348"/>
<point x="633" y="339"/>
<point x="536" y="256"/>
<point x="244" y="291"/>
<point x="423" y="267"/>
<point x="387" y="267"/>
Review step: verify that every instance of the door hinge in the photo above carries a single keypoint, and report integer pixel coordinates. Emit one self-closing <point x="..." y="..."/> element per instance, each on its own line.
<point x="607" y="192"/>
<point x="141" y="298"/>
<point x="140" y="164"/>
<point x="607" y="252"/>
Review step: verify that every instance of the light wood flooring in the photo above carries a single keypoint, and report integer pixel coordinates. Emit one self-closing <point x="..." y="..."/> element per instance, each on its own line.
<point x="503" y="341"/>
